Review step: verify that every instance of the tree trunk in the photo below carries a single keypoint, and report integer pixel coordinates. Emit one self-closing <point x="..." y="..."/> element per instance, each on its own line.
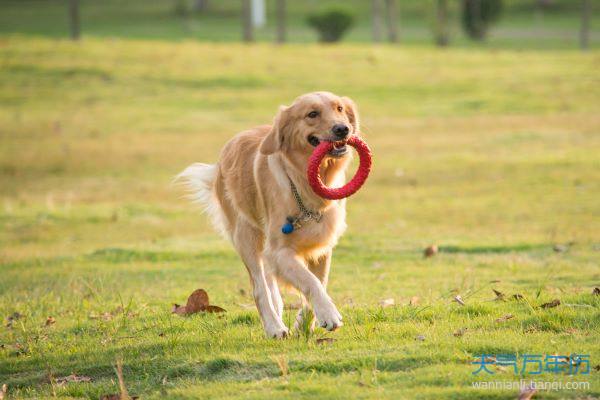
<point x="391" y="14"/>
<point x="376" y="4"/>
<point x="247" y="21"/>
<point x="477" y="21"/>
<point x="441" y="34"/>
<point x="74" y="25"/>
<point x="584" y="33"/>
<point x="281" y="22"/>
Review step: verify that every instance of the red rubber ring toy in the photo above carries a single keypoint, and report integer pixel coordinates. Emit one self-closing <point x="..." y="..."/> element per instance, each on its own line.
<point x="314" y="179"/>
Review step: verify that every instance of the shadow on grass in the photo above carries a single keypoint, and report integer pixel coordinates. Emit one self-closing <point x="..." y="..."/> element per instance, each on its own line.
<point x="100" y="367"/>
<point x="119" y="255"/>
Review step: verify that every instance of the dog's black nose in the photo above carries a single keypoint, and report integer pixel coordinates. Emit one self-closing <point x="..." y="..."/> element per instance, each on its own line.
<point x="340" y="130"/>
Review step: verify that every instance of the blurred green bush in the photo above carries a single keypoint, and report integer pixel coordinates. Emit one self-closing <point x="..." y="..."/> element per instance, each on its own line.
<point x="331" y="23"/>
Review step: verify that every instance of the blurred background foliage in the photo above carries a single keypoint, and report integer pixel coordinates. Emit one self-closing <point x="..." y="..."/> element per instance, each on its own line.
<point x="524" y="23"/>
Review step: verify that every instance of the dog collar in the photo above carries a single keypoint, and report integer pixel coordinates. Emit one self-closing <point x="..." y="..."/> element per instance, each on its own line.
<point x="295" y="222"/>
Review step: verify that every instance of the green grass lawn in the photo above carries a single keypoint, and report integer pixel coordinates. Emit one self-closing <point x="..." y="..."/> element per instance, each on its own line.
<point x="521" y="25"/>
<point x="492" y="155"/>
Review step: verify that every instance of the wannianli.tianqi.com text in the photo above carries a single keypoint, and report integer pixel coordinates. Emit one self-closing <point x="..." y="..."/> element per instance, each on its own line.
<point x="523" y="383"/>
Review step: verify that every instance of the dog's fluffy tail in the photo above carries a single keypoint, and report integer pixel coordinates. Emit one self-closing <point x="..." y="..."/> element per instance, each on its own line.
<point x="199" y="180"/>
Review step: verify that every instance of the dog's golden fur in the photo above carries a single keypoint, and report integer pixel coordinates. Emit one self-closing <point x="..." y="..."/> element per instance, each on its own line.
<point x="248" y="194"/>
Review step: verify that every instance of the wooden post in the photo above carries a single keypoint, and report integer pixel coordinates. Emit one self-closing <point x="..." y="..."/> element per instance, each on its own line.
<point x="247" y="21"/>
<point x="441" y="29"/>
<point x="376" y="4"/>
<point x="74" y="24"/>
<point x="281" y="22"/>
<point x="391" y="14"/>
<point x="584" y="32"/>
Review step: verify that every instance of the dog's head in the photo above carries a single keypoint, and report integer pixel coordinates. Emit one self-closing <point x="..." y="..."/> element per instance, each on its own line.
<point x="311" y="119"/>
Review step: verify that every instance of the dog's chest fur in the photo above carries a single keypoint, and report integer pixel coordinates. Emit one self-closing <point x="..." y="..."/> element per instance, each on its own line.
<point x="316" y="237"/>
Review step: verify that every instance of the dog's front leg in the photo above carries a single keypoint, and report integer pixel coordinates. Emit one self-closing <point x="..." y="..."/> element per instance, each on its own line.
<point x="292" y="268"/>
<point x="320" y="268"/>
<point x="245" y="240"/>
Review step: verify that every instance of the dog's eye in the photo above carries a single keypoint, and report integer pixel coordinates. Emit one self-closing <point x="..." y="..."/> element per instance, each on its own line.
<point x="340" y="108"/>
<point x="313" y="114"/>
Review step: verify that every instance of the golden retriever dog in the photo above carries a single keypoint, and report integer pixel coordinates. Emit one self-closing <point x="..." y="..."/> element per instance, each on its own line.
<point x="260" y="183"/>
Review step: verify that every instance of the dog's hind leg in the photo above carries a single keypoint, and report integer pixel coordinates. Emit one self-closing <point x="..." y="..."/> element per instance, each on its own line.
<point x="274" y="291"/>
<point x="248" y="243"/>
<point x="320" y="267"/>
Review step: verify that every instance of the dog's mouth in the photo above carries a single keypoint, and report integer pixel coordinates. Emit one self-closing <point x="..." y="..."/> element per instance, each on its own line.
<point x="339" y="147"/>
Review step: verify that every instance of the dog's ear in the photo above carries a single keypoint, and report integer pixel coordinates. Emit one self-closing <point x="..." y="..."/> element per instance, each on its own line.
<point x="275" y="138"/>
<point x="352" y="113"/>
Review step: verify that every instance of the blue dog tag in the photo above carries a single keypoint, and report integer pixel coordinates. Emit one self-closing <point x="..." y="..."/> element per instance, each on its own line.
<point x="287" y="228"/>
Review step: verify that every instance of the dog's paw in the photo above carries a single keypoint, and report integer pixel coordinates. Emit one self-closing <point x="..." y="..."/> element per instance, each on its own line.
<point x="277" y="332"/>
<point x="328" y="316"/>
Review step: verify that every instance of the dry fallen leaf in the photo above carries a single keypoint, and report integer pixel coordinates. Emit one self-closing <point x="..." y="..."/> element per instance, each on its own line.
<point x="459" y="300"/>
<point x="527" y="392"/>
<point x="596" y="291"/>
<point x="499" y="295"/>
<point x="460" y="332"/>
<point x="12" y="318"/>
<point x="430" y="251"/>
<point x="560" y="248"/>
<point x="50" y="321"/>
<point x="504" y="318"/>
<point x="117" y="397"/>
<point x="214" y="309"/>
<point x="414" y="301"/>
<point x="3" y="391"/>
<point x="20" y="349"/>
<point x="326" y="340"/>
<point x="387" y="302"/>
<point x="552" y="304"/>
<point x="72" y="379"/>
<point x="196" y="302"/>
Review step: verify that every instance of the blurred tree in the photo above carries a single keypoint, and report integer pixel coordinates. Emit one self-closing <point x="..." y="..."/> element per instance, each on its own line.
<point x="478" y="15"/>
<point x="392" y="18"/>
<point x="200" y="5"/>
<point x="247" y="21"/>
<point x="441" y="23"/>
<point x="331" y="23"/>
<point x="281" y="22"/>
<point x="376" y="5"/>
<point x="584" y="33"/>
<point x="180" y="7"/>
<point x="74" y="24"/>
